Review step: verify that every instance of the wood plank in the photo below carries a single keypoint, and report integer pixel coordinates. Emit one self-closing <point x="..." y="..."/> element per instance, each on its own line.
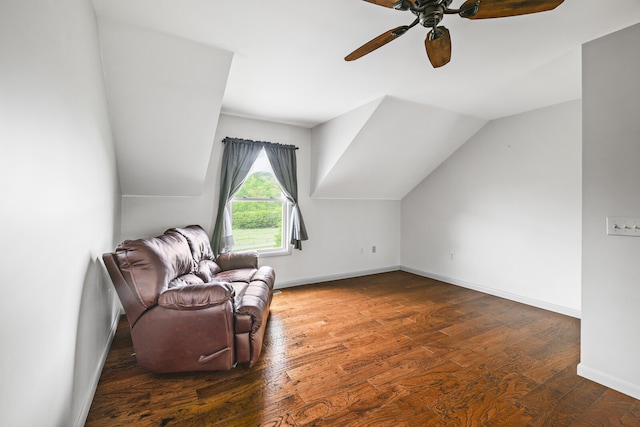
<point x="388" y="349"/>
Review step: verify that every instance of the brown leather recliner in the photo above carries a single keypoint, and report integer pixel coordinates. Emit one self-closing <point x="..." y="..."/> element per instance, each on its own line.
<point x="187" y="310"/>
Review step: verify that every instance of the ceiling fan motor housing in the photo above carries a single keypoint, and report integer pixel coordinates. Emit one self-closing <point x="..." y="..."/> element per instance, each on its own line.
<point x="431" y="16"/>
<point x="430" y="12"/>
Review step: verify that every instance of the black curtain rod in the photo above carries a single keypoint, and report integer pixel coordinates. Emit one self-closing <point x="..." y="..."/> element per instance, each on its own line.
<point x="248" y="141"/>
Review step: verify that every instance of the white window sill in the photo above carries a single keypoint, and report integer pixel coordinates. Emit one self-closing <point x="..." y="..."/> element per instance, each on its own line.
<point x="274" y="253"/>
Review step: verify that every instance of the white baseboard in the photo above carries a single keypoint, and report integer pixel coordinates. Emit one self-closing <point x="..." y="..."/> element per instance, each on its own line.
<point x="607" y="380"/>
<point x="496" y="292"/>
<point x="84" y="413"/>
<point x="329" y="278"/>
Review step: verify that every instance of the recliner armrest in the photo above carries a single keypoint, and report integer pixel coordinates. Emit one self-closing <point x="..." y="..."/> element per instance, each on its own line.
<point x="238" y="260"/>
<point x="255" y="303"/>
<point x="196" y="297"/>
<point x="255" y="309"/>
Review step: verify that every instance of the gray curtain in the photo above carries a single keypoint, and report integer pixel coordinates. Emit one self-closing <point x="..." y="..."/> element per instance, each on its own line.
<point x="283" y="162"/>
<point x="237" y="159"/>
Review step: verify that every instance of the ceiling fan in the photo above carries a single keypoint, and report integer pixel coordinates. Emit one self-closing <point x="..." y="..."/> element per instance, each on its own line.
<point x="429" y="14"/>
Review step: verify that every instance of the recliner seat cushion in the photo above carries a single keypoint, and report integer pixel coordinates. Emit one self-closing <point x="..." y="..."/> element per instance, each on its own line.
<point x="240" y="275"/>
<point x="207" y="270"/>
<point x="185" y="280"/>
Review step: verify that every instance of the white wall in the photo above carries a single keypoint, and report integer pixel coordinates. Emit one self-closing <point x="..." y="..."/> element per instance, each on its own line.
<point x="333" y="138"/>
<point x="507" y="205"/>
<point x="337" y="229"/>
<point x="59" y="204"/>
<point x="610" y="348"/>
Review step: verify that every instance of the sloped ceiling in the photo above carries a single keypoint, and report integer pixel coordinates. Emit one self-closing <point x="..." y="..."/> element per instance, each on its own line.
<point x="383" y="149"/>
<point x="165" y="94"/>
<point x="379" y="124"/>
<point x="289" y="64"/>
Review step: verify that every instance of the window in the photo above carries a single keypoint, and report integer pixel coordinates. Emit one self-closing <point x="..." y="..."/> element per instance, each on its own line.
<point x="259" y="212"/>
<point x="239" y="159"/>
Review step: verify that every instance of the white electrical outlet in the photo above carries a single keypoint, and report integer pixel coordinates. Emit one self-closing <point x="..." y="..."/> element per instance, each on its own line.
<point x="373" y="249"/>
<point x="452" y="256"/>
<point x="623" y="226"/>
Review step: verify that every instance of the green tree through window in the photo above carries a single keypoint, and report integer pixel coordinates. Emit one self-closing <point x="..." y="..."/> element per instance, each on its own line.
<point x="260" y="185"/>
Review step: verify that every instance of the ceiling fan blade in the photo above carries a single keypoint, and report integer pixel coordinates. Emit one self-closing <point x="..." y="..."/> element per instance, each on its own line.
<point x="390" y="3"/>
<point x="379" y="41"/>
<point x="438" y="47"/>
<point x="504" y="8"/>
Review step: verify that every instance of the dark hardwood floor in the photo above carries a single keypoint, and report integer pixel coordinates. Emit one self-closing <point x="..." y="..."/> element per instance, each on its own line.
<point x="391" y="349"/>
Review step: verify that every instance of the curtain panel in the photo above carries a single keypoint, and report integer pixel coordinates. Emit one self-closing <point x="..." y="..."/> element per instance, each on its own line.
<point x="284" y="165"/>
<point x="237" y="160"/>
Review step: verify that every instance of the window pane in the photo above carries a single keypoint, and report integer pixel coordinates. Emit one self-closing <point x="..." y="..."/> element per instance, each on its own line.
<point x="260" y="185"/>
<point x="257" y="225"/>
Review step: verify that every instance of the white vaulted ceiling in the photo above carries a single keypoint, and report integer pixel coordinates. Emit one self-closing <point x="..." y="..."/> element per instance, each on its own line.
<point x="288" y="67"/>
<point x="165" y="94"/>
<point x="396" y="145"/>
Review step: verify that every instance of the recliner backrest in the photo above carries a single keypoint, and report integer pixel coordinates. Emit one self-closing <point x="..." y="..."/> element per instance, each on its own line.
<point x="149" y="265"/>
<point x="198" y="241"/>
<point x="205" y="266"/>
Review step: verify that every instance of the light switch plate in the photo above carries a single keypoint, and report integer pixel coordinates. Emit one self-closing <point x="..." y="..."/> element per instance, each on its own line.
<point x="623" y="226"/>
